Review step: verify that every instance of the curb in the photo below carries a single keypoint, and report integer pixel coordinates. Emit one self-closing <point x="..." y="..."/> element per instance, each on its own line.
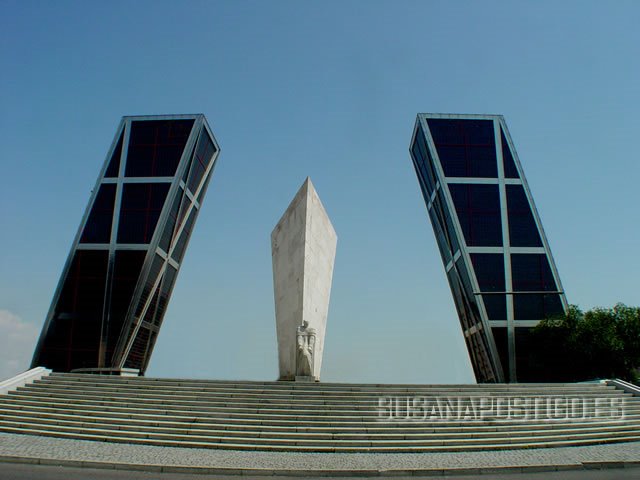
<point x="427" y="472"/>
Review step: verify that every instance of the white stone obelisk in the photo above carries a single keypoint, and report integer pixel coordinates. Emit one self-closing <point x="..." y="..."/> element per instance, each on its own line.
<point x="303" y="250"/>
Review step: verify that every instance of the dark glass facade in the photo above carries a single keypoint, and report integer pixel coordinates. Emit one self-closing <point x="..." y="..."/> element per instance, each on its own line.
<point x="490" y="238"/>
<point x="115" y="287"/>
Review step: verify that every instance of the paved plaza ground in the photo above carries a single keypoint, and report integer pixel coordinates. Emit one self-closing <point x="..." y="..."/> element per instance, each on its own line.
<point x="16" y="471"/>
<point x="88" y="454"/>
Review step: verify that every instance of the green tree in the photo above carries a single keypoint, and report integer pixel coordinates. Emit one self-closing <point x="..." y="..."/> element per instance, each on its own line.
<point x="601" y="343"/>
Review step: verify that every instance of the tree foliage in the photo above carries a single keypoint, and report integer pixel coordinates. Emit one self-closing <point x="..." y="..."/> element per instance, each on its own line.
<point x="599" y="343"/>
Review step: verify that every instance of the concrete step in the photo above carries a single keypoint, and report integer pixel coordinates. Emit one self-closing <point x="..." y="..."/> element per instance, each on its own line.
<point x="630" y="403"/>
<point x="286" y="384"/>
<point x="274" y="420"/>
<point x="313" y="388"/>
<point x="328" y="446"/>
<point x="262" y="411"/>
<point x="257" y="432"/>
<point x="323" y="440"/>
<point x="289" y="397"/>
<point x="296" y="386"/>
<point x="317" y="387"/>
<point x="194" y="423"/>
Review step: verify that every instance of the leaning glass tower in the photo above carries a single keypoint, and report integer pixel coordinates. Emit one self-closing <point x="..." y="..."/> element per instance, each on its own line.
<point x="496" y="255"/>
<point x="110" y="302"/>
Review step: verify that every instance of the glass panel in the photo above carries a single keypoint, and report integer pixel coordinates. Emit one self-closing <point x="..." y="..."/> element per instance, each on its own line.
<point x="531" y="273"/>
<point x="183" y="240"/>
<point x="502" y="344"/>
<point x="138" y="351"/>
<point x="458" y="297"/>
<point x="150" y="314"/>
<point x="54" y="352"/>
<point x="489" y="269"/>
<point x="126" y="271"/>
<point x="470" y="298"/>
<point x="479" y="340"/>
<point x="141" y="207"/>
<point x="204" y="152"/>
<point x="185" y="175"/>
<point x="464" y="277"/>
<point x="205" y="186"/>
<point x="184" y="208"/>
<point x="479" y="349"/>
<point x="150" y="344"/>
<point x="98" y="226"/>
<point x="83" y="291"/>
<point x="421" y="181"/>
<point x="523" y="230"/>
<point x="469" y="316"/>
<point x="450" y="230"/>
<point x="510" y="170"/>
<point x="155" y="147"/>
<point x="476" y="354"/>
<point x="496" y="306"/>
<point x="466" y="147"/>
<point x="167" y="233"/>
<point x="150" y="280"/>
<point x="441" y="240"/>
<point x="537" y="306"/>
<point x="423" y="162"/>
<point x="73" y="340"/>
<point x="429" y="166"/>
<point x="418" y="164"/>
<point x="168" y="282"/>
<point x="114" y="163"/>
<point x="478" y="209"/>
<point x="444" y="219"/>
<point x="526" y="368"/>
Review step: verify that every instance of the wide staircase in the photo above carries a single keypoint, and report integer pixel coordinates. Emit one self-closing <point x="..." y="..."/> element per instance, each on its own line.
<point x="320" y="417"/>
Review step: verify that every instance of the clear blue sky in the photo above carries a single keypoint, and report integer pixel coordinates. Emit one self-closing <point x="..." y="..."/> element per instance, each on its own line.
<point x="328" y="89"/>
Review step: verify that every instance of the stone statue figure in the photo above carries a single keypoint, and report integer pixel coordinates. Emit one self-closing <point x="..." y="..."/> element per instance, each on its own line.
<point x="306" y="342"/>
